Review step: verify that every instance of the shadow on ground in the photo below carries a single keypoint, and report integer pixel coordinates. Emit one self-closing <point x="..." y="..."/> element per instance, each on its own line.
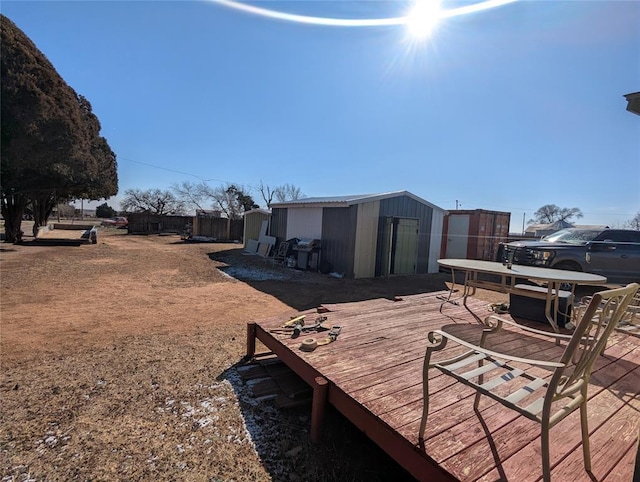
<point x="281" y="439"/>
<point x="304" y="290"/>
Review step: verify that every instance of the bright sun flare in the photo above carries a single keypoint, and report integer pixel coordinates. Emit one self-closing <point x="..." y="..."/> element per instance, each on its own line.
<point x="423" y="18"/>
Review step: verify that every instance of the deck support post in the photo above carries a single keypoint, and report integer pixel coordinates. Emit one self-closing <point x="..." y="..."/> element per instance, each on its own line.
<point x="318" y="405"/>
<point x="251" y="340"/>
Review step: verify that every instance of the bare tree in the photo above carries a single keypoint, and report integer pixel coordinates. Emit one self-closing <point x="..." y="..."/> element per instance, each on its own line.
<point x="155" y="201"/>
<point x="285" y="192"/>
<point x="634" y="223"/>
<point x="267" y="193"/>
<point x="550" y="213"/>
<point x="288" y="192"/>
<point x="193" y="195"/>
<point x="231" y="199"/>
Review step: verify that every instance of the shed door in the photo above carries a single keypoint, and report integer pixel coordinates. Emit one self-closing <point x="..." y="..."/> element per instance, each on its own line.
<point x="458" y="236"/>
<point x="404" y="253"/>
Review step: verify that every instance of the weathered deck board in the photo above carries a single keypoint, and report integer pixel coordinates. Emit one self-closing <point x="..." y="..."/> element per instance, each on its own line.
<point x="374" y="371"/>
<point x="566" y="451"/>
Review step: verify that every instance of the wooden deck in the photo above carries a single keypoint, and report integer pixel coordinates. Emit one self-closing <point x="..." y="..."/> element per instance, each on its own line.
<point x="372" y="374"/>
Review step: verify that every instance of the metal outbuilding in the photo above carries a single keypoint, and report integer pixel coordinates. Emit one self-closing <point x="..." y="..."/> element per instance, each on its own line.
<point x="253" y="220"/>
<point x="365" y="236"/>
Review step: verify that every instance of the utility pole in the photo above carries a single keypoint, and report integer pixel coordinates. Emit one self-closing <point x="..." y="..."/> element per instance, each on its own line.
<point x="523" y="216"/>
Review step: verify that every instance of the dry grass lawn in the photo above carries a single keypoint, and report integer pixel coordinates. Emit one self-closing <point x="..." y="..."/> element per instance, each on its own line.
<point x="119" y="363"/>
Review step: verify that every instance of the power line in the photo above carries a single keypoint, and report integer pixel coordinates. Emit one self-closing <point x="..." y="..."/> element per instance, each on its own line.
<point x="510" y="209"/>
<point x="185" y="173"/>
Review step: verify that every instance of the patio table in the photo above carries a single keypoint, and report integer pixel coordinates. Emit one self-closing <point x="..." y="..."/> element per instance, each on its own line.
<point x="510" y="282"/>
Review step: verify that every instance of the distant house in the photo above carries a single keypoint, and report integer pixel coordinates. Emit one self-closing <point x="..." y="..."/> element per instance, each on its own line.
<point x="539" y="230"/>
<point x="365" y="236"/>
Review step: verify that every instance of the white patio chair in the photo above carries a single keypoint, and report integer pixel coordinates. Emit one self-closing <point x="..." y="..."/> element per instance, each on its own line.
<point x="542" y="391"/>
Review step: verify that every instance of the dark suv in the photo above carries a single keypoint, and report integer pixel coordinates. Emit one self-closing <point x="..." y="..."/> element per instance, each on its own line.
<point x="614" y="253"/>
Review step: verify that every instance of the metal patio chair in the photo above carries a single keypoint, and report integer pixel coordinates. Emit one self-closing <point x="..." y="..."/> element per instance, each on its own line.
<point x="630" y="321"/>
<point x="542" y="391"/>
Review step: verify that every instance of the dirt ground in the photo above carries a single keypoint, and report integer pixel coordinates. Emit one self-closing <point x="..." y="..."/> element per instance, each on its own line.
<point x="119" y="363"/>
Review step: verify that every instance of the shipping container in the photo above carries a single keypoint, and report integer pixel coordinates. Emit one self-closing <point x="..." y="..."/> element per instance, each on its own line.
<point x="474" y="234"/>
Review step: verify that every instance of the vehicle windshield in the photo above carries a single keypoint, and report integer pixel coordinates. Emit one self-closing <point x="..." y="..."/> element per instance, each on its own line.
<point x="572" y="236"/>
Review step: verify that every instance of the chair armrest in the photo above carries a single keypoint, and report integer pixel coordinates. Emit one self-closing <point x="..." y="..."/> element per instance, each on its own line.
<point x="557" y="336"/>
<point x="476" y="348"/>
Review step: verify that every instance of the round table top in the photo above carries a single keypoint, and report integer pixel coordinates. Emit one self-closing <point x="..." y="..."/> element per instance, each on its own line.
<point x="529" y="272"/>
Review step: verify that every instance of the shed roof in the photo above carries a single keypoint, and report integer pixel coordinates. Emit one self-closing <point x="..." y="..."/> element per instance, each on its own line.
<point x="266" y="212"/>
<point x="633" y="102"/>
<point x="348" y="200"/>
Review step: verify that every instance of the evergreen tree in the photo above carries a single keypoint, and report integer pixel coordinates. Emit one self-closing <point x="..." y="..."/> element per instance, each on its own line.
<point x="51" y="150"/>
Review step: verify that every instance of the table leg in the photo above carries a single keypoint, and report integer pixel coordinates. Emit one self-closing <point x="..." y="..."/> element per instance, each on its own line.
<point x="470" y="283"/>
<point x="553" y="302"/>
<point x="469" y="278"/>
<point x="451" y="291"/>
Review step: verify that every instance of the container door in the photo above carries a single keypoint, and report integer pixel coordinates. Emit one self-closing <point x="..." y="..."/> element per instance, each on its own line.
<point x="405" y="246"/>
<point x="457" y="237"/>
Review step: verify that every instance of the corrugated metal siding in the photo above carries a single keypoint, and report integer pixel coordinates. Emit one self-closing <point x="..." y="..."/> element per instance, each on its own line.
<point x="304" y="223"/>
<point x="406" y="207"/>
<point x="493" y="228"/>
<point x="366" y="240"/>
<point x="485" y="231"/>
<point x="252" y="225"/>
<point x="278" y="226"/>
<point x="338" y="238"/>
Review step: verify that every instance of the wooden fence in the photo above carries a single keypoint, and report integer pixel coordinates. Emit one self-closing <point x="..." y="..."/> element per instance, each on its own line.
<point x="146" y="223"/>
<point x="221" y="229"/>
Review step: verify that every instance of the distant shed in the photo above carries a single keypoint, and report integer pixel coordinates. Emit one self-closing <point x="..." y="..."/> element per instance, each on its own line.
<point x="365" y="236"/>
<point x="474" y="234"/>
<point x="253" y="220"/>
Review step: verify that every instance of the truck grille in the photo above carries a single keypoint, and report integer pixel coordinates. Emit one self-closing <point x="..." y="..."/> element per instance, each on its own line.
<point x="520" y="255"/>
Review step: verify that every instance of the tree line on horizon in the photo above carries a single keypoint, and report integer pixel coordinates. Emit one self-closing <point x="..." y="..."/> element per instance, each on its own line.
<point x="232" y="200"/>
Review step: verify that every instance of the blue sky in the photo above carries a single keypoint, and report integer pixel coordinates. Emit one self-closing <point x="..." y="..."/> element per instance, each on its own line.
<point x="507" y="109"/>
